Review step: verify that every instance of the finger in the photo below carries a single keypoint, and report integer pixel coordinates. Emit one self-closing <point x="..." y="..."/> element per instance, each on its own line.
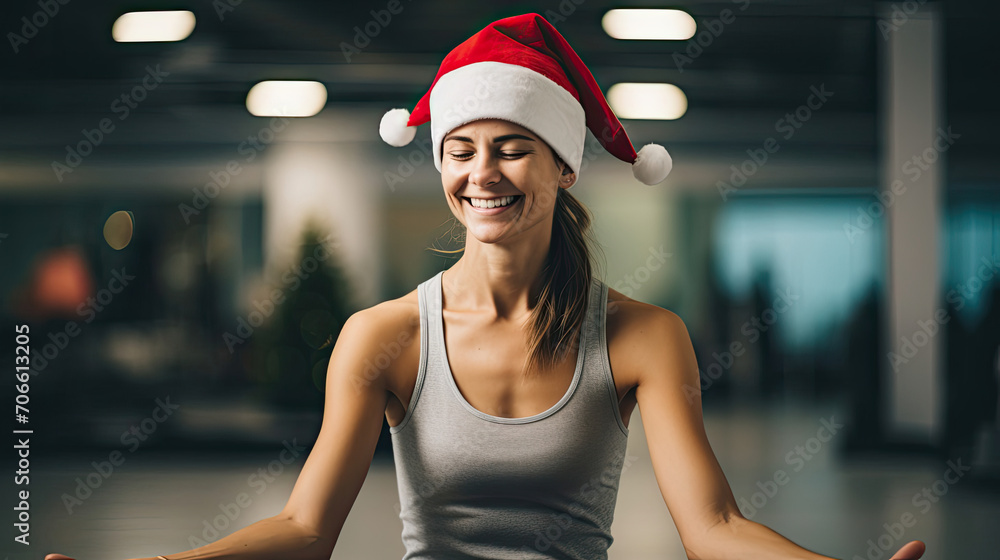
<point x="910" y="551"/>
<point x="57" y="557"/>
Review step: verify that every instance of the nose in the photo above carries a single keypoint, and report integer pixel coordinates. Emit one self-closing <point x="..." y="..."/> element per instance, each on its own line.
<point x="486" y="169"/>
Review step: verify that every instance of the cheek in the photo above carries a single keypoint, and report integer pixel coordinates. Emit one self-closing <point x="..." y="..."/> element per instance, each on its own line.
<point x="452" y="178"/>
<point x="450" y="181"/>
<point x="545" y="201"/>
<point x="545" y="197"/>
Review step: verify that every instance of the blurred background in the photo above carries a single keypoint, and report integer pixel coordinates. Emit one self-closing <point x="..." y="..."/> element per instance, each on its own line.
<point x="193" y="202"/>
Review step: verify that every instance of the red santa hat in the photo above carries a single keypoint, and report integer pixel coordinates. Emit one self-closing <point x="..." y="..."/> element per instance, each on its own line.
<point x="520" y="69"/>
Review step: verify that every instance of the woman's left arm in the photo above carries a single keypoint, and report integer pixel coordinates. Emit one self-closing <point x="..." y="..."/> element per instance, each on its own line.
<point x="694" y="488"/>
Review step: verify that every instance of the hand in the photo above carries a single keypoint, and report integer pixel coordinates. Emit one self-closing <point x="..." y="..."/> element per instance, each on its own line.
<point x="910" y="551"/>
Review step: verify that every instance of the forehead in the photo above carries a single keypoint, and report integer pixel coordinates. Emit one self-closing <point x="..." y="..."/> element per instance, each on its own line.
<point x="490" y="127"/>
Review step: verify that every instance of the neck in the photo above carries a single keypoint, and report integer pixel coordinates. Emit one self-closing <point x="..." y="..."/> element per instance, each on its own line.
<point x="501" y="280"/>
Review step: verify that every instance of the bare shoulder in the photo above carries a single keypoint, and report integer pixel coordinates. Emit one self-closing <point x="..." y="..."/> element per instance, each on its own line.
<point x="397" y="314"/>
<point x="385" y="335"/>
<point x="641" y="333"/>
<point x="631" y="317"/>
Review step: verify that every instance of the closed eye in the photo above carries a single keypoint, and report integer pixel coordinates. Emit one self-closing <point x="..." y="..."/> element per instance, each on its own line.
<point x="463" y="156"/>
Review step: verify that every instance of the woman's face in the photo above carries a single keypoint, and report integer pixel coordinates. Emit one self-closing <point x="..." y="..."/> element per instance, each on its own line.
<point x="485" y="162"/>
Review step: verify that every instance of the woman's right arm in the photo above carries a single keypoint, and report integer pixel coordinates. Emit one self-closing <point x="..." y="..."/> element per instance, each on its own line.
<point x="310" y="523"/>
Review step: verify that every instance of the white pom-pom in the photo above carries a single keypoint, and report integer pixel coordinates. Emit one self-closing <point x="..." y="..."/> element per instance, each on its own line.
<point x="393" y="128"/>
<point x="652" y="164"/>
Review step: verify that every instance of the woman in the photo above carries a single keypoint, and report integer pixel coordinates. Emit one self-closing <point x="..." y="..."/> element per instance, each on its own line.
<point x="509" y="418"/>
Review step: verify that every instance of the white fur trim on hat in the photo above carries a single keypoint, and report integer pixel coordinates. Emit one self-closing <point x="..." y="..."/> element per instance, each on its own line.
<point x="514" y="93"/>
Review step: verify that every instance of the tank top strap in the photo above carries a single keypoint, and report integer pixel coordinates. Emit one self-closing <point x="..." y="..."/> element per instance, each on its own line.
<point x="597" y="380"/>
<point x="431" y="383"/>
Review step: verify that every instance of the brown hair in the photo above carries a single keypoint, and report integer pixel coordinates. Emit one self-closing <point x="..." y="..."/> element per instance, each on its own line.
<point x="558" y="316"/>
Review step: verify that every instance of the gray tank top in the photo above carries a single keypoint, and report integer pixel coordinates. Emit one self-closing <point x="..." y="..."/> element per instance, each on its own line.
<point x="472" y="485"/>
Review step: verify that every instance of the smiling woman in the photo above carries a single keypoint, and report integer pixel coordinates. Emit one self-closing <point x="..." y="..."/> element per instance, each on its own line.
<point x="509" y="420"/>
<point x="507" y="186"/>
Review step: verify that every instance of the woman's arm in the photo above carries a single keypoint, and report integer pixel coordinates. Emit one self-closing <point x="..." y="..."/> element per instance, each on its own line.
<point x="758" y="541"/>
<point x="694" y="488"/>
<point x="267" y="539"/>
<point x="336" y="467"/>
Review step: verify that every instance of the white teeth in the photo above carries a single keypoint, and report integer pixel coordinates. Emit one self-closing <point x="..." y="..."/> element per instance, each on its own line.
<point x="491" y="202"/>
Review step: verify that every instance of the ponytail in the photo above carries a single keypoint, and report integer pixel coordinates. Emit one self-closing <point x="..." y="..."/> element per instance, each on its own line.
<point x="558" y="317"/>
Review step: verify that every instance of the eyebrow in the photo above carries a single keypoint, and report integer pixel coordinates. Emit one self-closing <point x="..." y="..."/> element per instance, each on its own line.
<point x="496" y="140"/>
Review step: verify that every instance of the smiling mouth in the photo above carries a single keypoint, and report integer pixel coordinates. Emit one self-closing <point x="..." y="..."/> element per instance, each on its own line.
<point x="493" y="202"/>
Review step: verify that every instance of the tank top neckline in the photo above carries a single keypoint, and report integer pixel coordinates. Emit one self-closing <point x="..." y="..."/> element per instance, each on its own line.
<point x="446" y="362"/>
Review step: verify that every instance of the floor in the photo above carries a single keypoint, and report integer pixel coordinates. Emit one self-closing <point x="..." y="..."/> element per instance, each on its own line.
<point x="153" y="503"/>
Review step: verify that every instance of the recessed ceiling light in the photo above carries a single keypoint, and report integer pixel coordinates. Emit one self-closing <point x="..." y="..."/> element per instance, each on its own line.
<point x="286" y="98"/>
<point x="647" y="101"/>
<point x="150" y="27"/>
<point x="650" y="24"/>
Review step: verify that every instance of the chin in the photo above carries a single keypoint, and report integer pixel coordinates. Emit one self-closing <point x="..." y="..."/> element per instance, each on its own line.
<point x="486" y="235"/>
